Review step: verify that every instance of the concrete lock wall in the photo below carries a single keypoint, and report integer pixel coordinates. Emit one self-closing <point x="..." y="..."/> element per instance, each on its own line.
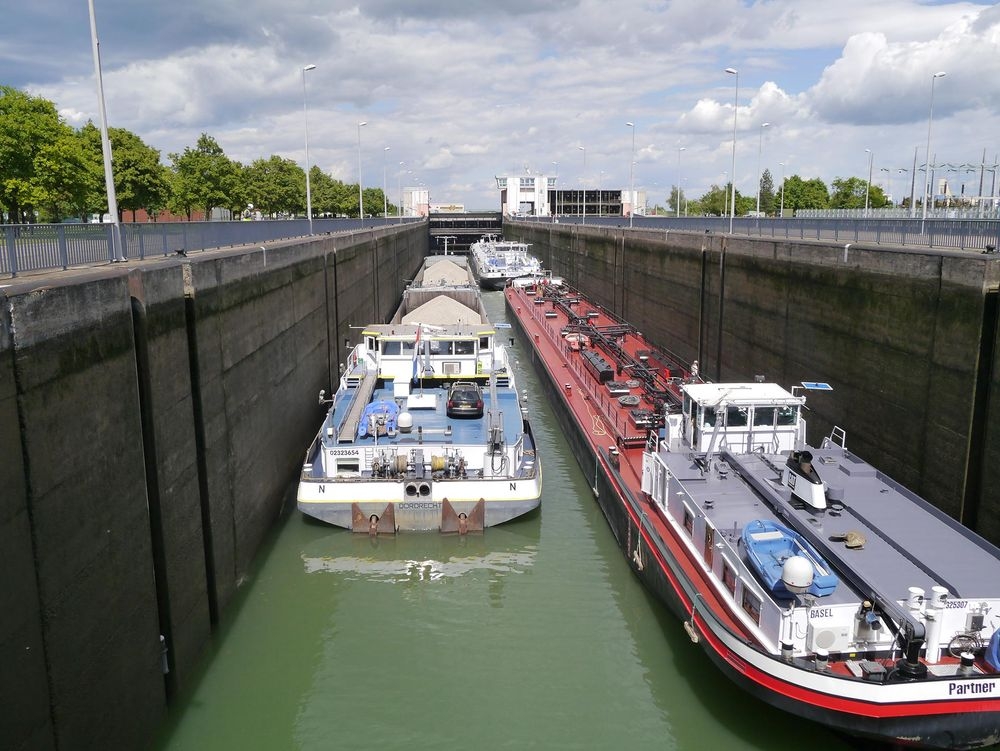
<point x="908" y="338"/>
<point x="153" y="420"/>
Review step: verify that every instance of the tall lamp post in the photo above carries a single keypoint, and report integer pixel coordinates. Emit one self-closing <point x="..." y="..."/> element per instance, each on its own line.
<point x="631" y="178"/>
<point x="583" y="186"/>
<point x="600" y="206"/>
<point x="679" y="150"/>
<point x="399" y="189"/>
<point x="725" y="193"/>
<point x="781" y="211"/>
<point x="117" y="251"/>
<point x="736" y="99"/>
<point x="305" y="122"/>
<point x="868" y="186"/>
<point x="385" y="197"/>
<point x="760" y="148"/>
<point x="927" y="153"/>
<point x="361" y="195"/>
<point x="888" y="183"/>
<point x="556" y="184"/>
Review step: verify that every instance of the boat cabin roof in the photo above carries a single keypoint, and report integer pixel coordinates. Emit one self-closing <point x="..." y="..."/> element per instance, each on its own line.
<point x="408" y="331"/>
<point x="714" y="394"/>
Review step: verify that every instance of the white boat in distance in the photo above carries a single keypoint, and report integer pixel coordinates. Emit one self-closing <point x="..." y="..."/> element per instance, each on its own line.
<point x="426" y="430"/>
<point x="496" y="261"/>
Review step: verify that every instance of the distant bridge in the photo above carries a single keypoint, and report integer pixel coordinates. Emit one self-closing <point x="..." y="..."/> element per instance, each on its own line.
<point x="461" y="230"/>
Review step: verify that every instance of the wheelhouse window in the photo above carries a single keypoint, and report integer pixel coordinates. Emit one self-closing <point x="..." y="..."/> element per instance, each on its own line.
<point x="484" y="343"/>
<point x="708" y="417"/>
<point x="441" y="347"/>
<point x="736" y="417"/>
<point x="751" y="605"/>
<point x="788" y="415"/>
<point x="407" y="348"/>
<point x="465" y="347"/>
<point x="763" y="416"/>
<point x="392" y="347"/>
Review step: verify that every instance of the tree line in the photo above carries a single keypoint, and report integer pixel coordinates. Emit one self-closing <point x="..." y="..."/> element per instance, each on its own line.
<point x="51" y="172"/>
<point x="799" y="193"/>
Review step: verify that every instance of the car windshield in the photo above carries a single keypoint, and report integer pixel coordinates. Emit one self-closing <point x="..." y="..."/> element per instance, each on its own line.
<point x="465" y="395"/>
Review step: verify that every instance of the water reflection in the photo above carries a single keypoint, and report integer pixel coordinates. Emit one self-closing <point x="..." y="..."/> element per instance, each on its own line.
<point x="419" y="558"/>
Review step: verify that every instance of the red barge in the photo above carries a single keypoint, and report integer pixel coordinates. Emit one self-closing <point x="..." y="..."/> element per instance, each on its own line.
<point x="809" y="577"/>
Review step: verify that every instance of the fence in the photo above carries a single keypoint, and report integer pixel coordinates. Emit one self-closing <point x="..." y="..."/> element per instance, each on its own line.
<point x="963" y="234"/>
<point x="35" y="247"/>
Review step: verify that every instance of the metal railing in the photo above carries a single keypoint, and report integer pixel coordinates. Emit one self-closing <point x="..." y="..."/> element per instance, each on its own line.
<point x="981" y="235"/>
<point x="36" y="247"/>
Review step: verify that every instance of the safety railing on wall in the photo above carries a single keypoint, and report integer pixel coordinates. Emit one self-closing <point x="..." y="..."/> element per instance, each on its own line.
<point x="35" y="247"/>
<point x="980" y="235"/>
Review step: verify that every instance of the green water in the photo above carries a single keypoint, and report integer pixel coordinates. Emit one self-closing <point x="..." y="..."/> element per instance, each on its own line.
<point x="534" y="635"/>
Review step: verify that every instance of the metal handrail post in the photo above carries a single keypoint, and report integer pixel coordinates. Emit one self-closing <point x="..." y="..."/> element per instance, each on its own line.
<point x="11" y="250"/>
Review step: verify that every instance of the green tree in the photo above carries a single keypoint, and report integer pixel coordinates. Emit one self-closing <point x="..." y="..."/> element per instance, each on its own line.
<point x="27" y="124"/>
<point x="141" y="181"/>
<point x="767" y="192"/>
<point x="276" y="185"/>
<point x="848" y="193"/>
<point x="675" y="199"/>
<point x="68" y="176"/>
<point x="716" y="201"/>
<point x="805" y="194"/>
<point x="877" y="199"/>
<point x="204" y="177"/>
<point x="331" y="196"/>
<point x="374" y="201"/>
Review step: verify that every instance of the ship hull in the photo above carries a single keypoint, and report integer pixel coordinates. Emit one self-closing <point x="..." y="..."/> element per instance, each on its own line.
<point x="908" y="714"/>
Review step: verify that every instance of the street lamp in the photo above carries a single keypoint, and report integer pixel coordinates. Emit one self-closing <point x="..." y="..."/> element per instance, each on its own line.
<point x="888" y="183"/>
<point x="361" y="198"/>
<point x="781" y="212"/>
<point x="600" y="182"/>
<point x="118" y="251"/>
<point x="679" y="150"/>
<point x="927" y="153"/>
<point x="305" y="122"/>
<point x="399" y="189"/>
<point x="631" y="178"/>
<point x="760" y="147"/>
<point x="583" y="185"/>
<point x="556" y="184"/>
<point x="868" y="187"/>
<point x="385" y="197"/>
<point x="736" y="98"/>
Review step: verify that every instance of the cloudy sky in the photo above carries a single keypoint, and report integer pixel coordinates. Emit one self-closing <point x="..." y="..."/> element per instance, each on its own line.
<point x="463" y="90"/>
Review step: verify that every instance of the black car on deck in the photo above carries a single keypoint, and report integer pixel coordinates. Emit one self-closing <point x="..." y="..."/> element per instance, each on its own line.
<point x="465" y="399"/>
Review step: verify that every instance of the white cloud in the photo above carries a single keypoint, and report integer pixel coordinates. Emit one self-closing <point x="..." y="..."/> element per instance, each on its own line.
<point x="465" y="90"/>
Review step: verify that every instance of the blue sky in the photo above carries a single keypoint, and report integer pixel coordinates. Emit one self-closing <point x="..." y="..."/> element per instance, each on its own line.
<point x="463" y="90"/>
